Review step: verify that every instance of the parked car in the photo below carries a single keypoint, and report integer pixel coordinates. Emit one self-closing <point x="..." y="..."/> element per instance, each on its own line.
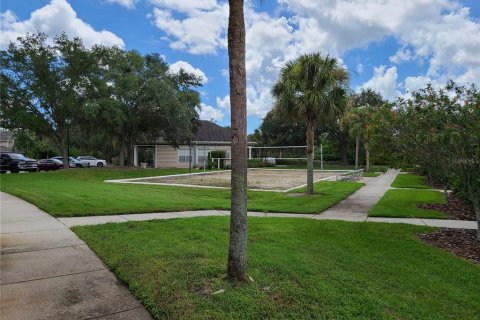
<point x="49" y="164"/>
<point x="93" y="162"/>
<point x="16" y="162"/>
<point x="73" y="163"/>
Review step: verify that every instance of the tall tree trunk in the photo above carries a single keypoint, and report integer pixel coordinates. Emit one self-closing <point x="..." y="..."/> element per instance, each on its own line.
<point x="130" y="154"/>
<point x="121" y="157"/>
<point x="237" y="253"/>
<point x="357" y="147"/>
<point x="367" y="156"/>
<point x="343" y="147"/>
<point x="310" y="141"/>
<point x="63" y="151"/>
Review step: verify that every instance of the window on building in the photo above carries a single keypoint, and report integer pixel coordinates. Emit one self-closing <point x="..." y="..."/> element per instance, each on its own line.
<point x="202" y="158"/>
<point x="184" y="154"/>
<point x="202" y="154"/>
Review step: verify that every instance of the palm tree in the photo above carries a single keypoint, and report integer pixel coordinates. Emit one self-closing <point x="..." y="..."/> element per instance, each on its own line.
<point x="364" y="106"/>
<point x="359" y="120"/>
<point x="237" y="253"/>
<point x="311" y="88"/>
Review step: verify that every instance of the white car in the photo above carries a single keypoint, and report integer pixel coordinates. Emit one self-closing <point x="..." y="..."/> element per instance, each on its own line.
<point x="92" y="161"/>
<point x="73" y="163"/>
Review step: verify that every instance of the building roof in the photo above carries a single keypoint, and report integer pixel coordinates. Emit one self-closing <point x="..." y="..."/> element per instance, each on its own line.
<point x="212" y="132"/>
<point x="6" y="135"/>
<point x="208" y="133"/>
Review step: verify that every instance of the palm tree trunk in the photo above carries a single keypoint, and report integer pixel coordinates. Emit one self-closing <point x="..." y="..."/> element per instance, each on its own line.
<point x="310" y="141"/>
<point x="129" y="152"/>
<point x="237" y="253"/>
<point x="367" y="157"/>
<point x="121" y="157"/>
<point x="343" y="146"/>
<point x="357" y="147"/>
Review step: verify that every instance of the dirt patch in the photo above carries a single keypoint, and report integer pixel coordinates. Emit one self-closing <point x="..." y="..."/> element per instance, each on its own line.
<point x="205" y="289"/>
<point x="456" y="209"/>
<point x="460" y="242"/>
<point x="273" y="179"/>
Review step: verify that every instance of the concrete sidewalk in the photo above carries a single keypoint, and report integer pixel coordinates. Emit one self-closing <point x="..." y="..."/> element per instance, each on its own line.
<point x="356" y="206"/>
<point x="85" y="221"/>
<point x="47" y="272"/>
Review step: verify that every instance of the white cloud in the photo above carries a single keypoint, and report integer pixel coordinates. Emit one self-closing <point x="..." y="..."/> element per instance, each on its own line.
<point x="129" y="4"/>
<point x="416" y="83"/>
<point x="224" y="103"/>
<point x="210" y="113"/>
<point x="191" y="6"/>
<point x="437" y="33"/>
<point x="337" y="26"/>
<point x="360" y="68"/>
<point x="53" y="19"/>
<point x="187" y="67"/>
<point x="383" y="81"/>
<point x="440" y="33"/>
<point x="200" y="32"/>
<point x="401" y="56"/>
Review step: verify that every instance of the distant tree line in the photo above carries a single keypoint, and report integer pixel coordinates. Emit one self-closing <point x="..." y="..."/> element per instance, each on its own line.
<point x="338" y="135"/>
<point x="99" y="100"/>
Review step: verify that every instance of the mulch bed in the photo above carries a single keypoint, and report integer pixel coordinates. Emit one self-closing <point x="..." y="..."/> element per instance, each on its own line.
<point x="435" y="184"/>
<point x="456" y="209"/>
<point x="460" y="242"/>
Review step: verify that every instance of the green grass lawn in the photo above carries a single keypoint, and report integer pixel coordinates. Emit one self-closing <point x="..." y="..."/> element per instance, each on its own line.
<point x="403" y="204"/>
<point x="302" y="269"/>
<point x="409" y="180"/>
<point x="83" y="192"/>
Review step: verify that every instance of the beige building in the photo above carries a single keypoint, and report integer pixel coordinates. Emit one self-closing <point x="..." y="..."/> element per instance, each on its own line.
<point x="7" y="141"/>
<point x="210" y="136"/>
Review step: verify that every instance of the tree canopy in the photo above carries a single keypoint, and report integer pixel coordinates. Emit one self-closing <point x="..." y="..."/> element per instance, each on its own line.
<point x="106" y="98"/>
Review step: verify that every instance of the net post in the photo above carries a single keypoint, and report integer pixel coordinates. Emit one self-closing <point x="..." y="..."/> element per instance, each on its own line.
<point x="321" y="157"/>
<point x="204" y="162"/>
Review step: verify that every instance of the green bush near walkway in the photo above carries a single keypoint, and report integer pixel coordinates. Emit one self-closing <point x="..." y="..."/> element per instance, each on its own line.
<point x="302" y="269"/>
<point x="83" y="192"/>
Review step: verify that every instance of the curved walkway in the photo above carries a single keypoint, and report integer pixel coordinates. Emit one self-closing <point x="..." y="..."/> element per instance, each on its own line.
<point x="354" y="208"/>
<point x="83" y="221"/>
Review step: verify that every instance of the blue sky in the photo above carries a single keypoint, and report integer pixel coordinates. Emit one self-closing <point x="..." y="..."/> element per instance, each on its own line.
<point x="392" y="46"/>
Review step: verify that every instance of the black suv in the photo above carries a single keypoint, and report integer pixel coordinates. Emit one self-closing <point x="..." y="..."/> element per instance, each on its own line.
<point x="16" y="162"/>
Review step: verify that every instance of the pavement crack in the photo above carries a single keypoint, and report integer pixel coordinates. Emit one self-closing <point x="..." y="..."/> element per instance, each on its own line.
<point x="44" y="249"/>
<point x="106" y="315"/>
<point x="52" y="277"/>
